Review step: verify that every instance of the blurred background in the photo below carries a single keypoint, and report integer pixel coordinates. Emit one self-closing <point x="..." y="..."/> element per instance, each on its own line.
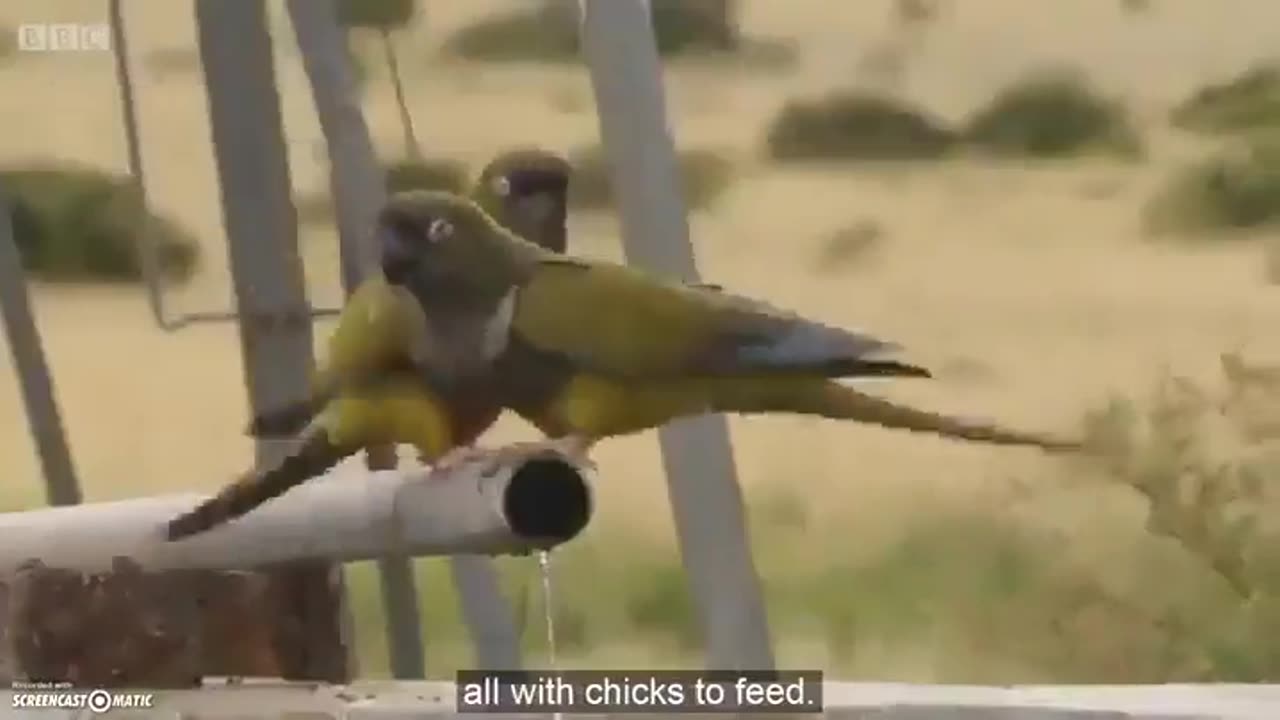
<point x="1070" y="210"/>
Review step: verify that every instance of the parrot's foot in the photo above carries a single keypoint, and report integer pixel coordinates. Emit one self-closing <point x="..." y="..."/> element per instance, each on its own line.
<point x="459" y="456"/>
<point x="572" y="447"/>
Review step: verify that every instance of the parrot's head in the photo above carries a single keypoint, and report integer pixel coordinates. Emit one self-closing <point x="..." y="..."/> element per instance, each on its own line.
<point x="527" y="191"/>
<point x="444" y="247"/>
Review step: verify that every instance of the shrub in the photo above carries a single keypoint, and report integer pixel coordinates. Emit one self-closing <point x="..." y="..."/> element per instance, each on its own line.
<point x="1237" y="189"/>
<point x="683" y="26"/>
<point x="1250" y="101"/>
<point x="855" y="126"/>
<point x="537" y="34"/>
<point x="705" y="175"/>
<point x="75" y="224"/>
<point x="549" y="32"/>
<point x="1052" y="115"/>
<point x="658" y="601"/>
<point x="377" y="14"/>
<point x="849" y="245"/>
<point x="1201" y="458"/>
<point x="428" y="174"/>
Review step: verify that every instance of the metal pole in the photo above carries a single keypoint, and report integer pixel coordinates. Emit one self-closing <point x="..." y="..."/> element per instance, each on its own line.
<point x="34" y="381"/>
<point x="356" y="185"/>
<point x="262" y="237"/>
<point x="148" y="252"/>
<point x="357" y="188"/>
<point x="626" y="75"/>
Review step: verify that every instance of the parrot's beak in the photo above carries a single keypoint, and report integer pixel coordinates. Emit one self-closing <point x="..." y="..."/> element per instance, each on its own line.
<point x="398" y="261"/>
<point x="543" y="216"/>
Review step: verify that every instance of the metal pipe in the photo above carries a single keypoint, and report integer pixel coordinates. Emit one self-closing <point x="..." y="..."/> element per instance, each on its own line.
<point x="529" y="502"/>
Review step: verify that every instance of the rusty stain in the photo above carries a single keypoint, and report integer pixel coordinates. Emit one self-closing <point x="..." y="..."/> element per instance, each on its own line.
<point x="65" y="625"/>
<point x="167" y="629"/>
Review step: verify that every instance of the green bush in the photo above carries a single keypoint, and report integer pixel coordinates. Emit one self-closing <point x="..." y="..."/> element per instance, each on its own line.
<point x="537" y="34"/>
<point x="845" y="126"/>
<point x="690" y="26"/>
<point x="376" y="13"/>
<point x="1237" y="189"/>
<point x="849" y="246"/>
<point x="429" y="174"/>
<point x="1206" y="486"/>
<point x="1250" y="101"/>
<point x="77" y="224"/>
<point x="548" y="32"/>
<point x="1052" y="115"/>
<point x="705" y="174"/>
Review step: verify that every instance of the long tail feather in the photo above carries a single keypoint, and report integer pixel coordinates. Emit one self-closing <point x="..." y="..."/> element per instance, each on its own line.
<point x="283" y="422"/>
<point x="313" y="456"/>
<point x="851" y="404"/>
<point x="831" y="399"/>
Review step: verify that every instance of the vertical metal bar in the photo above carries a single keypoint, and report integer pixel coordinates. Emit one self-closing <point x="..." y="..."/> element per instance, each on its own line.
<point x="356" y="185"/>
<point x="411" y="147"/>
<point x="147" y="251"/>
<point x="357" y="188"/>
<point x="34" y="381"/>
<point x="626" y="75"/>
<point x="262" y="237"/>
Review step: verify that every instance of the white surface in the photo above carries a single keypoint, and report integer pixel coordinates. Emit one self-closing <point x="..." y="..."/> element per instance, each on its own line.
<point x="394" y="700"/>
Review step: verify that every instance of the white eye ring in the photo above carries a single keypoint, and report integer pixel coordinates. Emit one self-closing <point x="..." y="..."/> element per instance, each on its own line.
<point x="439" y="230"/>
<point x="501" y="185"/>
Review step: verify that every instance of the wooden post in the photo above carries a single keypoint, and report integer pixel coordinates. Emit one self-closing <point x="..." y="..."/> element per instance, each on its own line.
<point x="34" y="380"/>
<point x="261" y="226"/>
<point x="626" y="75"/>
<point x="356" y="184"/>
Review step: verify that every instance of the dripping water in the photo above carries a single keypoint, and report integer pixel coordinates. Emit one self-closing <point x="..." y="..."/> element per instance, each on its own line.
<point x="548" y="610"/>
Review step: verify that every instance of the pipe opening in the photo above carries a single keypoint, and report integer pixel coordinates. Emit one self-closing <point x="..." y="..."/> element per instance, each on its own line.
<point x="547" y="499"/>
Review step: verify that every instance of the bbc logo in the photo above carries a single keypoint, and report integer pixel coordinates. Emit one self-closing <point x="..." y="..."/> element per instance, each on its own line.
<point x="64" y="37"/>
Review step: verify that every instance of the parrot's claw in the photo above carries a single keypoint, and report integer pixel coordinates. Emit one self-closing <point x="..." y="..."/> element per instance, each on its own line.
<point x="459" y="456"/>
<point x="572" y="447"/>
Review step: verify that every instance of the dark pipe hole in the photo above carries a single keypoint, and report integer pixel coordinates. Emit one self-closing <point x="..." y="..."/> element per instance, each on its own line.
<point x="547" y="499"/>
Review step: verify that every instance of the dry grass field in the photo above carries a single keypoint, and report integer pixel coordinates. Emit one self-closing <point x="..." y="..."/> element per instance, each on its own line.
<point x="1031" y="287"/>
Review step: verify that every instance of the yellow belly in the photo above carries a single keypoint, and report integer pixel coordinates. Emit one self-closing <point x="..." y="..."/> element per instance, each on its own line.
<point x="598" y="407"/>
<point x="395" y="411"/>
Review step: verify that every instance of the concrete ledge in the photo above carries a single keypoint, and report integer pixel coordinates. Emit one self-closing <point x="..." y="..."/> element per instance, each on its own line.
<point x="373" y="700"/>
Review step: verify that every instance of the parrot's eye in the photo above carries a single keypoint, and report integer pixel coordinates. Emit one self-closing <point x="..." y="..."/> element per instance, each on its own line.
<point x="439" y="230"/>
<point x="501" y="186"/>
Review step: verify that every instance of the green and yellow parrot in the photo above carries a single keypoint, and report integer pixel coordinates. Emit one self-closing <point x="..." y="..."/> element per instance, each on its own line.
<point x="369" y="389"/>
<point x="596" y="349"/>
<point x="399" y="409"/>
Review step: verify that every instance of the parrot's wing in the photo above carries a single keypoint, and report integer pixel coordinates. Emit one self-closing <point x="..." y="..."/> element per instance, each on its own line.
<point x="376" y="334"/>
<point x="609" y="319"/>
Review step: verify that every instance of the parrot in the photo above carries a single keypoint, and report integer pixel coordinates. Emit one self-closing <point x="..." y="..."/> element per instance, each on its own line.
<point x="368" y="391"/>
<point x="595" y="349"/>
<point x="525" y="189"/>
